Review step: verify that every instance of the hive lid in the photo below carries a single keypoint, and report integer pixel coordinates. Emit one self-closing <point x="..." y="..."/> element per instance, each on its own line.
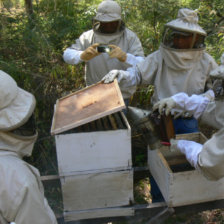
<point x="86" y="105"/>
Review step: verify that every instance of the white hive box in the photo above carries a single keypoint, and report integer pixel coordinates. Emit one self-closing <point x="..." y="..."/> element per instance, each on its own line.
<point x="94" y="150"/>
<point x="181" y="184"/>
<point x="93" y="145"/>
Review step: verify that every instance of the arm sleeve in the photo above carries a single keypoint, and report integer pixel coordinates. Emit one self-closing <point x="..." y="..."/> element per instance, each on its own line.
<point x="135" y="53"/>
<point x="147" y="69"/>
<point x="143" y="72"/>
<point x="131" y="77"/>
<point x="211" y="158"/>
<point x="213" y="114"/>
<point x="72" y="56"/>
<point x="212" y="65"/>
<point x="194" y="104"/>
<point x="133" y="60"/>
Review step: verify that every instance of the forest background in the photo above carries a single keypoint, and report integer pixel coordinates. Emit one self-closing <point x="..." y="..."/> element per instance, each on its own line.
<point x="34" y="34"/>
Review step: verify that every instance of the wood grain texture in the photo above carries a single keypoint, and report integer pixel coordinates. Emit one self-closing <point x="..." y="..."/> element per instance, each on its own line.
<point x="182" y="187"/>
<point x="86" y="105"/>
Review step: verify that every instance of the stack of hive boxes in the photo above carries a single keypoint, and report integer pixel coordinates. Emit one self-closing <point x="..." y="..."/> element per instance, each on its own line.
<point x="93" y="145"/>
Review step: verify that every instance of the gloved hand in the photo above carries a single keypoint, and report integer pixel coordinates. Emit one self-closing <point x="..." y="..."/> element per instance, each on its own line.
<point x="166" y="105"/>
<point x="113" y="74"/>
<point x="177" y="114"/>
<point x="90" y="52"/>
<point x="209" y="95"/>
<point x="117" y="53"/>
<point x="191" y="149"/>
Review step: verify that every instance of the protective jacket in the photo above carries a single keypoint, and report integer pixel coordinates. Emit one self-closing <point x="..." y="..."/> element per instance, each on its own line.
<point x="211" y="158"/>
<point x="21" y="191"/>
<point x="174" y="70"/>
<point x="99" y="66"/>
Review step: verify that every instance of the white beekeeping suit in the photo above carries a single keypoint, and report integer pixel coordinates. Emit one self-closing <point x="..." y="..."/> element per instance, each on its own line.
<point x="180" y="65"/>
<point x="208" y="158"/>
<point x="127" y="49"/>
<point x="21" y="192"/>
<point x="176" y="67"/>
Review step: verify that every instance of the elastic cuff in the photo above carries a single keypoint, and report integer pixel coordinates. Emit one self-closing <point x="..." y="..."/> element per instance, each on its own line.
<point x="79" y="55"/>
<point x="130" y="58"/>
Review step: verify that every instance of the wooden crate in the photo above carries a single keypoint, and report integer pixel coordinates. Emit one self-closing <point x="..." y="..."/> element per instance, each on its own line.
<point x="98" y="213"/>
<point x="180" y="183"/>
<point x="93" y="145"/>
<point x="94" y="150"/>
<point x="97" y="190"/>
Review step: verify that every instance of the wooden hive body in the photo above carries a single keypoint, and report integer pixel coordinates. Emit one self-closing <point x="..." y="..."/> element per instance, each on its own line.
<point x="180" y="183"/>
<point x="94" y="155"/>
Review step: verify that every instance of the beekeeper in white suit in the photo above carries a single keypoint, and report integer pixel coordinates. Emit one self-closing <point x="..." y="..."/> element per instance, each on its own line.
<point x="208" y="158"/>
<point x="108" y="28"/>
<point x="180" y="65"/>
<point x="21" y="192"/>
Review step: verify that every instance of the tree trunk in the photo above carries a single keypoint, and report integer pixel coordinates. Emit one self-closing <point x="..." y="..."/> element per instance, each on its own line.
<point x="29" y="7"/>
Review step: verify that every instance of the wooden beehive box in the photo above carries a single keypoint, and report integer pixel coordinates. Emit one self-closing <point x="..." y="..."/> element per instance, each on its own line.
<point x="93" y="145"/>
<point x="181" y="184"/>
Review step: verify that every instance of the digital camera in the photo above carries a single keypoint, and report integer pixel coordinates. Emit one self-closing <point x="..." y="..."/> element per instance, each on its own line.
<point x="103" y="48"/>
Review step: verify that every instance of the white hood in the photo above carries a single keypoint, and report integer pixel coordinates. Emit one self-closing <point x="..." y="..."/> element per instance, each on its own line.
<point x="16" y="104"/>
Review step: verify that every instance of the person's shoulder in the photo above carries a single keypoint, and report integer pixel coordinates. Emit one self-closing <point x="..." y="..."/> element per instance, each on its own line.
<point x="87" y="33"/>
<point x="208" y="57"/>
<point x="154" y="54"/>
<point x="130" y="33"/>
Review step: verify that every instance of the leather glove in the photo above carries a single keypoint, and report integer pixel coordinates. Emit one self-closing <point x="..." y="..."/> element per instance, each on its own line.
<point x="90" y="52"/>
<point x="113" y="74"/>
<point x="117" y="53"/>
<point x="191" y="149"/>
<point x="166" y="105"/>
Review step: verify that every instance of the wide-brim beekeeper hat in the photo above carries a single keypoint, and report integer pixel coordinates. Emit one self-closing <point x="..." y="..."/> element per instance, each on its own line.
<point x="16" y="104"/>
<point x="108" y="11"/>
<point x="187" y="20"/>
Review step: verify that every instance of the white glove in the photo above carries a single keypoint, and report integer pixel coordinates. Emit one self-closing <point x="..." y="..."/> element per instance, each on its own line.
<point x="113" y="74"/>
<point x="166" y="105"/>
<point x="194" y="104"/>
<point x="191" y="149"/>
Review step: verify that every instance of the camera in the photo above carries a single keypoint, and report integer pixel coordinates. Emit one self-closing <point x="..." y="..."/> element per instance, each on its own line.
<point x="103" y="48"/>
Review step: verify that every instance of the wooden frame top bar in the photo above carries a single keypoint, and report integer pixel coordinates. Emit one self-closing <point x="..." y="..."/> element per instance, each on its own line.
<point x="86" y="105"/>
